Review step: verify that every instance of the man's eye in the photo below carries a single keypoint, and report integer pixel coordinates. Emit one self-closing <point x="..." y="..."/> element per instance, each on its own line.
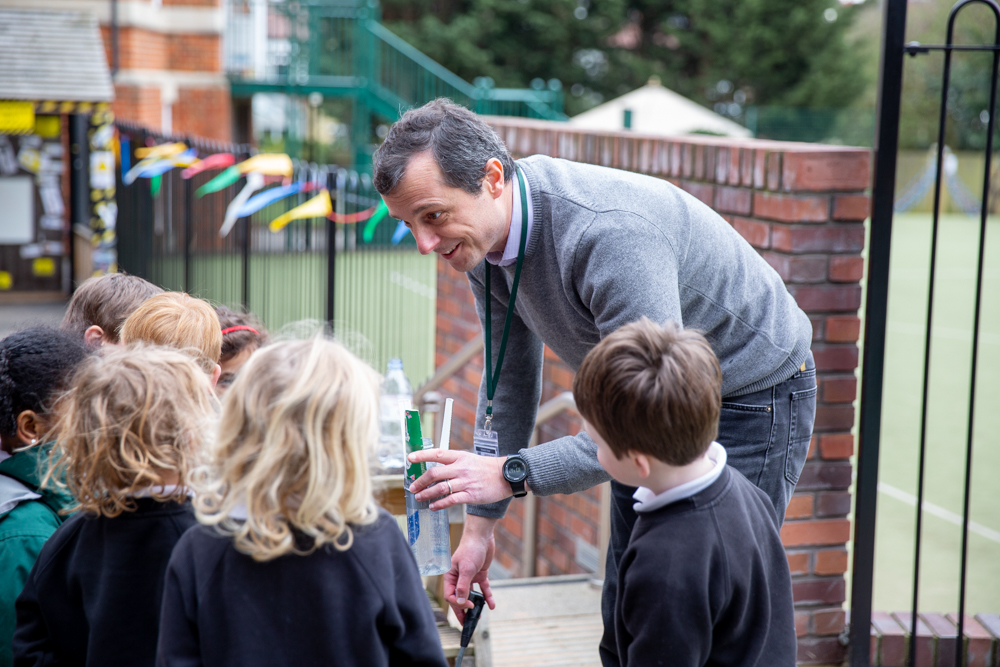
<point x="434" y="216"/>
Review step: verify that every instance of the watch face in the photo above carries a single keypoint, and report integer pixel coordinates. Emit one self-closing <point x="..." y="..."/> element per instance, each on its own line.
<point x="515" y="470"/>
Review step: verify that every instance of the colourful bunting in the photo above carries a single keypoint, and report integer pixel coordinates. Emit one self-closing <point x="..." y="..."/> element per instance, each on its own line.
<point x="161" y="151"/>
<point x="215" y="161"/>
<point x="379" y="214"/>
<point x="271" y="164"/>
<point x="154" y="186"/>
<point x="262" y="199"/>
<point x="401" y="231"/>
<point x="255" y="181"/>
<point x="223" y="180"/>
<point x="319" y="206"/>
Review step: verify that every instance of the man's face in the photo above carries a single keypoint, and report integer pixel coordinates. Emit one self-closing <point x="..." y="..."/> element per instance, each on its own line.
<point x="459" y="226"/>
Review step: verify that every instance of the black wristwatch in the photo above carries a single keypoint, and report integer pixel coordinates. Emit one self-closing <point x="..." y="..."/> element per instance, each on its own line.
<point x="515" y="471"/>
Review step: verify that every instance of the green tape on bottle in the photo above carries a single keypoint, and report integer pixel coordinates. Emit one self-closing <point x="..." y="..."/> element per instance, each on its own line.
<point x="414" y="443"/>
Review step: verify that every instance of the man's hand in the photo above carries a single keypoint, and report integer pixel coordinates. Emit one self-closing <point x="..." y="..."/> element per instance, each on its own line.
<point x="475" y="480"/>
<point x="470" y="564"/>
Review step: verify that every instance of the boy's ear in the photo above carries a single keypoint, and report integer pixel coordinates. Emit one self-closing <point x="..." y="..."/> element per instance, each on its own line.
<point x="94" y="336"/>
<point x="642" y="464"/>
<point x="30" y="428"/>
<point x="216" y="374"/>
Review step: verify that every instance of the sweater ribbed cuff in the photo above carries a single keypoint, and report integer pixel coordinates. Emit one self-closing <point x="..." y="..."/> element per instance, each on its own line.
<point x="491" y="510"/>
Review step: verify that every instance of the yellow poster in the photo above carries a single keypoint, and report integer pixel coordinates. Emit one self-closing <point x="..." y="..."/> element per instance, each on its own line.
<point x="17" y="117"/>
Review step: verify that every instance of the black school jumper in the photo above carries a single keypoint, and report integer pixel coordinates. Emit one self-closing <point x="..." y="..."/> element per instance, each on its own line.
<point x="705" y="581"/>
<point x="365" y="606"/>
<point x="93" y="596"/>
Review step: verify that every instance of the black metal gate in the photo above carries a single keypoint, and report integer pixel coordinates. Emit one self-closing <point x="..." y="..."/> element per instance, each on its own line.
<point x="886" y="144"/>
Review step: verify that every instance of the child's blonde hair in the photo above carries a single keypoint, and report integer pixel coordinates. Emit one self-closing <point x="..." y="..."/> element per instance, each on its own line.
<point x="292" y="454"/>
<point x="133" y="418"/>
<point x="177" y="320"/>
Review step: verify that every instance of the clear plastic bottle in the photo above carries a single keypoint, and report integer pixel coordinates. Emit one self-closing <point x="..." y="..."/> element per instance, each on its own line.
<point x="396" y="397"/>
<point x="428" y="531"/>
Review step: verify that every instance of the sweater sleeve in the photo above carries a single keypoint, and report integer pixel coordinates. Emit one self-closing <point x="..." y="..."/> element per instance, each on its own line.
<point x="179" y="644"/>
<point x="31" y="643"/>
<point x="609" y="257"/>
<point x="515" y="403"/>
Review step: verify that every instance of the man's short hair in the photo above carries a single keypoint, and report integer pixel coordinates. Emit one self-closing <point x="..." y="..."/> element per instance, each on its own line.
<point x="652" y="389"/>
<point x="174" y="319"/>
<point x="106" y="301"/>
<point x="459" y="140"/>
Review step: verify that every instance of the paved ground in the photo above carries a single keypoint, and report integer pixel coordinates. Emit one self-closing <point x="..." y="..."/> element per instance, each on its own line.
<point x="14" y="318"/>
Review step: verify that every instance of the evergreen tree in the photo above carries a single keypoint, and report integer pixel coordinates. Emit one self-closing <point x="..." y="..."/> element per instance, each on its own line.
<point x="723" y="53"/>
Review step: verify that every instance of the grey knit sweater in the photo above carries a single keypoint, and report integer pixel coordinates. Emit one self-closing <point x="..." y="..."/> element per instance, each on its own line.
<point x="608" y="247"/>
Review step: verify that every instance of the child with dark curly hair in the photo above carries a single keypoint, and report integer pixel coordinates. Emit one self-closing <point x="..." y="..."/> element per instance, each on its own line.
<point x="35" y="364"/>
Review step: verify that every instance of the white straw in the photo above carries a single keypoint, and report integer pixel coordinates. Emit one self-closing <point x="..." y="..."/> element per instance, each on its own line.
<point x="446" y="424"/>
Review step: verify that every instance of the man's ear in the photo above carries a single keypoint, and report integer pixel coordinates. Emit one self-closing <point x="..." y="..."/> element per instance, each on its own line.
<point x="94" y="336"/>
<point x="30" y="428"/>
<point x="216" y="374"/>
<point x="493" y="182"/>
<point x="642" y="464"/>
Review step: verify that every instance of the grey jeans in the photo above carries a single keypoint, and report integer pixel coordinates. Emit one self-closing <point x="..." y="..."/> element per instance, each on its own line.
<point x="766" y="435"/>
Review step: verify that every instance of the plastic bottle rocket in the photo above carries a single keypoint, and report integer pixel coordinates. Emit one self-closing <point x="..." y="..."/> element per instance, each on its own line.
<point x="427" y="529"/>
<point x="396" y="397"/>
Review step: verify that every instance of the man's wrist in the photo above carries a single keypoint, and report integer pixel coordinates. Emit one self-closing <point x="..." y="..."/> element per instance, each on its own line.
<point x="479" y="526"/>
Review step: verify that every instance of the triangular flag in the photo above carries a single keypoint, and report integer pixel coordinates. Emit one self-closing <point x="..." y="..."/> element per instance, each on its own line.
<point x="215" y="161"/>
<point x="161" y="151"/>
<point x="225" y="179"/>
<point x="154" y="186"/>
<point x="319" y="206"/>
<point x="271" y="164"/>
<point x="255" y="181"/>
<point x="380" y="212"/>
<point x="268" y="197"/>
<point x="401" y="231"/>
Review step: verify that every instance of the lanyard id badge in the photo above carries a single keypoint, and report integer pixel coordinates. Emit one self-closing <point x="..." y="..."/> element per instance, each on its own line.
<point x="485" y="440"/>
<point x="486" y="443"/>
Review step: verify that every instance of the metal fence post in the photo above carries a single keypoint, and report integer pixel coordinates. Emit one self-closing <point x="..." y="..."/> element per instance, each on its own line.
<point x="879" y="244"/>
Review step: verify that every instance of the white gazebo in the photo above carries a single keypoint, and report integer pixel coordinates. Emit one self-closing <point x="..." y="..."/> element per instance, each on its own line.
<point x="654" y="109"/>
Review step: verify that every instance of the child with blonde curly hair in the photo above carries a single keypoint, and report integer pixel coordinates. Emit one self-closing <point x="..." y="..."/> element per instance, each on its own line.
<point x="132" y="425"/>
<point x="295" y="564"/>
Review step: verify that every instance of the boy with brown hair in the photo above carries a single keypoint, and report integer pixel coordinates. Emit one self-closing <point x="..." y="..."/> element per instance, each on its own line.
<point x="177" y="320"/>
<point x="704" y="579"/>
<point x="101" y="305"/>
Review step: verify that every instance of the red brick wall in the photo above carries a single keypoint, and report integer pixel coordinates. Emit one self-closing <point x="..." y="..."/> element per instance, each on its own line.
<point x="802" y="207"/>
<point x="204" y="112"/>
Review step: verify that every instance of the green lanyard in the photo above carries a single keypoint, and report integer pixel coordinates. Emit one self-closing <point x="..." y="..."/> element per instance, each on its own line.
<point x="493" y="378"/>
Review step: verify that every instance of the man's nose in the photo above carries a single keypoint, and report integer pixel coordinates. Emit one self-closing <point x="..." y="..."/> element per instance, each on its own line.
<point x="425" y="238"/>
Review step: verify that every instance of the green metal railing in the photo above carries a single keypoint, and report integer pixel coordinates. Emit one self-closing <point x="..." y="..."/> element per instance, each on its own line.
<point x="339" y="48"/>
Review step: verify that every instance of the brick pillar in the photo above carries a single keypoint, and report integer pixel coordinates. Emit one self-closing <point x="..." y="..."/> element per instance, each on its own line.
<point x="802" y="207"/>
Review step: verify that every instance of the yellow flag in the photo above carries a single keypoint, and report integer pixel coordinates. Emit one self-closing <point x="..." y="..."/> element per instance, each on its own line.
<point x="163" y="150"/>
<point x="269" y="164"/>
<point x="319" y="206"/>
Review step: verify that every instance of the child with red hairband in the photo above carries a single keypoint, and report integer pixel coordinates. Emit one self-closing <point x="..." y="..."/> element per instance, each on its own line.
<point x="242" y="333"/>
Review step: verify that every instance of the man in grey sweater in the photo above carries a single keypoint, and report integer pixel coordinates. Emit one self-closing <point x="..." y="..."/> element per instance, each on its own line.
<point x="597" y="248"/>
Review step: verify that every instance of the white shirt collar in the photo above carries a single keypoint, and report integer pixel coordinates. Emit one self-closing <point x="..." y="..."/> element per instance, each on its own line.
<point x="509" y="255"/>
<point x="649" y="501"/>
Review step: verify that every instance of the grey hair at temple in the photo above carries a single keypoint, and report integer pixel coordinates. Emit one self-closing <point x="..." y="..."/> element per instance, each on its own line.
<point x="460" y="142"/>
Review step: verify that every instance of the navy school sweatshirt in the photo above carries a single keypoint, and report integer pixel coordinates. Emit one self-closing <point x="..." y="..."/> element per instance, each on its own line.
<point x="364" y="606"/>
<point x="93" y="596"/>
<point x="705" y="581"/>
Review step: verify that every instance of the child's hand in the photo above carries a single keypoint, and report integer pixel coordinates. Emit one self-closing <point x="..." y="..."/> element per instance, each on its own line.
<point x="470" y="564"/>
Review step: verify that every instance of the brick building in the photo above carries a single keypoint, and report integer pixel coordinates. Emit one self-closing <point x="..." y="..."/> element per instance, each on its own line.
<point x="167" y="68"/>
<point x="802" y="207"/>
